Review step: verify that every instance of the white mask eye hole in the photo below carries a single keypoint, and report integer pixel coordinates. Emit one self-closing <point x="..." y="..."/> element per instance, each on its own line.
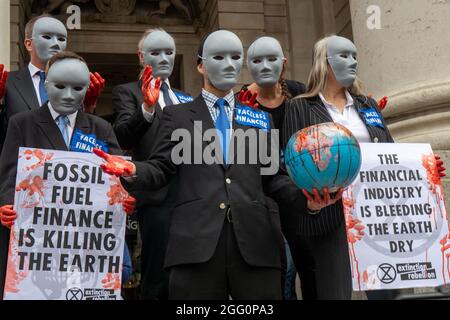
<point x="219" y="58"/>
<point x="60" y="86"/>
<point x="273" y="59"/>
<point x="60" y="39"/>
<point x="256" y="61"/>
<point x="78" y="89"/>
<point x="46" y="37"/>
<point x="169" y="52"/>
<point x="154" y="53"/>
<point x="236" y="57"/>
<point x="344" y="55"/>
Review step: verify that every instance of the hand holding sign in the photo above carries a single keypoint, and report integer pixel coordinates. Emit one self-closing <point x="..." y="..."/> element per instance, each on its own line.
<point x="94" y="91"/>
<point x="151" y="94"/>
<point x="129" y="205"/>
<point x="247" y="98"/>
<point x="3" y="78"/>
<point x="116" y="166"/>
<point x="8" y="216"/>
<point x="317" y="203"/>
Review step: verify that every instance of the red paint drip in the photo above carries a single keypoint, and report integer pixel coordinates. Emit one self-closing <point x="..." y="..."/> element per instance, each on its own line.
<point x="13" y="276"/>
<point x="116" y="194"/>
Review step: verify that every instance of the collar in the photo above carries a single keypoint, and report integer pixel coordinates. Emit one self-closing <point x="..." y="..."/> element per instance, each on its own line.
<point x="72" y="117"/>
<point x="211" y="98"/>
<point x="350" y="101"/>
<point x="33" y="69"/>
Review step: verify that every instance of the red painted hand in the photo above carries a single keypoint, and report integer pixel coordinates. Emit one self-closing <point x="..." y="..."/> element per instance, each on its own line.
<point x="247" y="98"/>
<point x="151" y="94"/>
<point x="3" y="78"/>
<point x="129" y="205"/>
<point x="94" y="91"/>
<point x="440" y="166"/>
<point x="115" y="166"/>
<point x="7" y="216"/>
<point x="382" y="103"/>
<point x="316" y="202"/>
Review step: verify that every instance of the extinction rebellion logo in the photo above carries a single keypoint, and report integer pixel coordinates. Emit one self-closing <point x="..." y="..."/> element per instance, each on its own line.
<point x="387" y="273"/>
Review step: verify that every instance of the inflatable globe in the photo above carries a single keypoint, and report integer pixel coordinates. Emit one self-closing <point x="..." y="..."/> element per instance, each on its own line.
<point x="324" y="155"/>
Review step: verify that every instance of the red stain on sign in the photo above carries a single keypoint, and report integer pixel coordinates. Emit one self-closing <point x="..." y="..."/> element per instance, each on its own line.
<point x="355" y="233"/>
<point x="33" y="186"/>
<point x="13" y="276"/>
<point x="112" y="281"/>
<point x="39" y="155"/>
<point x="445" y="250"/>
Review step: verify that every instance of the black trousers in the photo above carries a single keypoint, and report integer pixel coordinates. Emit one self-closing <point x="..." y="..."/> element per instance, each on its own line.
<point x="154" y="224"/>
<point x="323" y="265"/>
<point x="225" y="274"/>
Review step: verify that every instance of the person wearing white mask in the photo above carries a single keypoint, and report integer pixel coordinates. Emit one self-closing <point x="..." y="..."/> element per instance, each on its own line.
<point x="58" y="125"/>
<point x="138" y="108"/>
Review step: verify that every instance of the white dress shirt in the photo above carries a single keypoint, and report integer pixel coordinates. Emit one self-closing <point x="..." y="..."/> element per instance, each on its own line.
<point x="349" y="118"/>
<point x="149" y="115"/>
<point x="34" y="73"/>
<point x="72" y="119"/>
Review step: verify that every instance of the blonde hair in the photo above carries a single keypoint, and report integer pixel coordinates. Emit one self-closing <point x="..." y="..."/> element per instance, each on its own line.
<point x="317" y="80"/>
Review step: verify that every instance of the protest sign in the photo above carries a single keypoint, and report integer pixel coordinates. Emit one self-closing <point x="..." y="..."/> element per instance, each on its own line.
<point x="397" y="223"/>
<point x="68" y="240"/>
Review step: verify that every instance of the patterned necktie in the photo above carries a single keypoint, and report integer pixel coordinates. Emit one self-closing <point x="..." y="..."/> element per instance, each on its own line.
<point x="42" y="92"/>
<point x="222" y="125"/>
<point x="62" y="122"/>
<point x="166" y="95"/>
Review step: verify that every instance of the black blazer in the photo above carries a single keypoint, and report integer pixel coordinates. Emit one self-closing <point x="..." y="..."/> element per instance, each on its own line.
<point x="20" y="96"/>
<point x="305" y="112"/>
<point x="37" y="129"/>
<point x="205" y="191"/>
<point x="136" y="134"/>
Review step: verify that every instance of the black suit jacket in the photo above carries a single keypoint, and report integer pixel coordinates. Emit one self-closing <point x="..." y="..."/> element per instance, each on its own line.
<point x="37" y="129"/>
<point x="204" y="189"/>
<point x="20" y="96"/>
<point x="137" y="134"/>
<point x="305" y="112"/>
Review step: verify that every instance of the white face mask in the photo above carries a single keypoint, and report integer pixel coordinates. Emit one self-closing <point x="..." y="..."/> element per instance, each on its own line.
<point x="223" y="57"/>
<point x="49" y="38"/>
<point x="66" y="85"/>
<point x="342" y="55"/>
<point x="265" y="60"/>
<point x="159" y="52"/>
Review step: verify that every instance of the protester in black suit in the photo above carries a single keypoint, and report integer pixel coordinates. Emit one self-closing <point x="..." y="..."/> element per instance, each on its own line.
<point x="137" y="126"/>
<point x="53" y="127"/>
<point x="25" y="90"/>
<point x="222" y="241"/>
<point x="319" y="245"/>
<point x="267" y="63"/>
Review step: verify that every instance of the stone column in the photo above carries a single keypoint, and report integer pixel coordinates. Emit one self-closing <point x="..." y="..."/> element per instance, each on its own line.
<point x="408" y="60"/>
<point x="5" y="33"/>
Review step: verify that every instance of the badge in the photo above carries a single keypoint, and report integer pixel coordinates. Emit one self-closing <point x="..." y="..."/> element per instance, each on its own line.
<point x="82" y="142"/>
<point x="372" y="117"/>
<point x="183" y="98"/>
<point x="253" y="118"/>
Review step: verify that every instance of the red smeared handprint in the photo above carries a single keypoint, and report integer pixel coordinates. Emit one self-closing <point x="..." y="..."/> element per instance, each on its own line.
<point x="355" y="231"/>
<point x="112" y="281"/>
<point x="445" y="250"/>
<point x="34" y="186"/>
<point x="13" y="276"/>
<point x="40" y="156"/>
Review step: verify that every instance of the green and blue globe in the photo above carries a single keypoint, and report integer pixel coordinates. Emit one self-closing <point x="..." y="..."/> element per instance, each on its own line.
<point x="324" y="155"/>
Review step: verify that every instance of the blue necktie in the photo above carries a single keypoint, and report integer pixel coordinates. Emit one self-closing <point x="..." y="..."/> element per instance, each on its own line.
<point x="166" y="95"/>
<point x="42" y="91"/>
<point x="222" y="125"/>
<point x="62" y="122"/>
